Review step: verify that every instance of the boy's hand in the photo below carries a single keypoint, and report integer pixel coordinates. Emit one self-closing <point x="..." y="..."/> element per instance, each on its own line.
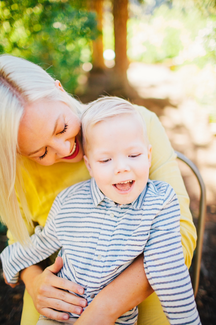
<point x="12" y="285"/>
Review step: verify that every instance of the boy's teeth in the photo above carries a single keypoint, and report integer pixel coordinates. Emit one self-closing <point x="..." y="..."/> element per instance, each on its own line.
<point x="124" y="186"/>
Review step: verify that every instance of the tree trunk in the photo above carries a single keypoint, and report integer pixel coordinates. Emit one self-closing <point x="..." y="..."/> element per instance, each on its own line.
<point x="120" y="14"/>
<point x="97" y="57"/>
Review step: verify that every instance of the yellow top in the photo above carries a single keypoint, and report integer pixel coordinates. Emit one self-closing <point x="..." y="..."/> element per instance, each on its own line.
<point x="43" y="183"/>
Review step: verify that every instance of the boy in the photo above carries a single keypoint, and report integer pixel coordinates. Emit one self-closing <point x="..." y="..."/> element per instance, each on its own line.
<point x="103" y="224"/>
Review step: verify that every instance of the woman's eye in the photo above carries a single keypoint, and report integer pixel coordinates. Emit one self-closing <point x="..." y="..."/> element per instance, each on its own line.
<point x="45" y="153"/>
<point x="64" y="130"/>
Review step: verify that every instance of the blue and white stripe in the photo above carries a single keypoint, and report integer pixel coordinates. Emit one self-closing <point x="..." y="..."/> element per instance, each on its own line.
<point x="99" y="239"/>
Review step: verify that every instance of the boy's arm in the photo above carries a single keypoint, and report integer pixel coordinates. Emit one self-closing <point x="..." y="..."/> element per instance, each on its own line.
<point x="42" y="244"/>
<point x="125" y="292"/>
<point x="17" y="257"/>
<point x="164" y="167"/>
<point x="165" y="267"/>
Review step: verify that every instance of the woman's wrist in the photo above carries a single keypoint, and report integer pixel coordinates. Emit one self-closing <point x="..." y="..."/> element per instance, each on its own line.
<point x="28" y="276"/>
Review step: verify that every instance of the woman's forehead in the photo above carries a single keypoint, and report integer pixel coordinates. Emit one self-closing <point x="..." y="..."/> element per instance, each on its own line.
<point x="38" y="122"/>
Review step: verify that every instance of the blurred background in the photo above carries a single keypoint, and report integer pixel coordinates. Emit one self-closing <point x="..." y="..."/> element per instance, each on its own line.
<point x="156" y="53"/>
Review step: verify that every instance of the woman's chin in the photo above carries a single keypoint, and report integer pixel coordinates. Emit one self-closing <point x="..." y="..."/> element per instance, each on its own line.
<point x="72" y="159"/>
<point x="75" y="160"/>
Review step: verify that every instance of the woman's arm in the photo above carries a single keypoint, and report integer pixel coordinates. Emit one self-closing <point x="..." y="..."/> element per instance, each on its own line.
<point x="49" y="292"/>
<point x="125" y="292"/>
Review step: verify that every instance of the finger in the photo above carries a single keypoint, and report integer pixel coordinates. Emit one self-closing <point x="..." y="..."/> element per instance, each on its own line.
<point x="59" y="306"/>
<point x="69" y="286"/>
<point x="64" y="284"/>
<point x="53" y="314"/>
<point x="56" y="267"/>
<point x="57" y="297"/>
<point x="63" y="306"/>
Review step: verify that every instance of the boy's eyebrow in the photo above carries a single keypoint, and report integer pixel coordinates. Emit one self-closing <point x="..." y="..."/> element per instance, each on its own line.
<point x="54" y="131"/>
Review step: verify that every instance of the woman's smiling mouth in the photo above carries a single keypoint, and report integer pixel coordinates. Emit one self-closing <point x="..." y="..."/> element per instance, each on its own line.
<point x="74" y="151"/>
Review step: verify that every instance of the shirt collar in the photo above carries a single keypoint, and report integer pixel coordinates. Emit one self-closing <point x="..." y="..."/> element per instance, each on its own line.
<point x="137" y="204"/>
<point x="98" y="196"/>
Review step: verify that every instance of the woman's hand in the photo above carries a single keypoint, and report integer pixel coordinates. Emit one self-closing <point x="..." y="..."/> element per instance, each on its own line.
<point x="49" y="292"/>
<point x="128" y="290"/>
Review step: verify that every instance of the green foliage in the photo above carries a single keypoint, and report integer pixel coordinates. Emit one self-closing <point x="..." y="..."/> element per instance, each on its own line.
<point x="52" y="33"/>
<point x="156" y="37"/>
<point x="206" y="7"/>
<point x="175" y="33"/>
<point x="209" y="39"/>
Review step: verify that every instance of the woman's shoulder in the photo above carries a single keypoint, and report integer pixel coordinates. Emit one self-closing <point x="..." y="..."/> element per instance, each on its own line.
<point x="43" y="183"/>
<point x="145" y="112"/>
<point x="77" y="191"/>
<point x="55" y="174"/>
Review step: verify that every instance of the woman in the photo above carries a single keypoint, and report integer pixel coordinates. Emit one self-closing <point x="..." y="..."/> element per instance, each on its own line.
<point x="41" y="154"/>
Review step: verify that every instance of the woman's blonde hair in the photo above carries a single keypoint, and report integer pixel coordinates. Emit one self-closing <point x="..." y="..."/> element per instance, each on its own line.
<point x="107" y="107"/>
<point x="21" y="82"/>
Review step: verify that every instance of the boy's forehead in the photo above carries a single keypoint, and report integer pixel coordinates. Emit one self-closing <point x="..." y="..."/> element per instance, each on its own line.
<point x="112" y="123"/>
<point x="133" y="118"/>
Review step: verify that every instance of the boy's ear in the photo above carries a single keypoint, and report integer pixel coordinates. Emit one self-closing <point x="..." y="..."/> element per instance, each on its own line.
<point x="88" y="165"/>
<point x="149" y="154"/>
<point x="59" y="85"/>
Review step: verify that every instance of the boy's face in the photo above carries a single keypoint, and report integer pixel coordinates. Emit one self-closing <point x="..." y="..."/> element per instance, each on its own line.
<point x="118" y="157"/>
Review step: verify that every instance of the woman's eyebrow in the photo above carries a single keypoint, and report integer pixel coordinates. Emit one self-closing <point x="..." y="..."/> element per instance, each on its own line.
<point x="56" y="124"/>
<point x="54" y="131"/>
<point x="32" y="153"/>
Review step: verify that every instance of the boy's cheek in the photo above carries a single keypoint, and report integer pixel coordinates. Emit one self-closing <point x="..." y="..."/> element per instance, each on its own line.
<point x="88" y="165"/>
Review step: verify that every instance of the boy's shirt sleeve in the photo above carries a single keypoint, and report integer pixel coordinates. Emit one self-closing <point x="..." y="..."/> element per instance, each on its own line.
<point x="43" y="243"/>
<point x="164" y="167"/>
<point x="165" y="266"/>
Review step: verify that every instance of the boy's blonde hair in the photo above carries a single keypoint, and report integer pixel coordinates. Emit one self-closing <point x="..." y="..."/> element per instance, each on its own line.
<point x="104" y="108"/>
<point x="21" y="83"/>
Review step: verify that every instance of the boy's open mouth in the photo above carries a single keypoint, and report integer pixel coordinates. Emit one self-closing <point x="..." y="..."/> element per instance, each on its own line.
<point x="124" y="186"/>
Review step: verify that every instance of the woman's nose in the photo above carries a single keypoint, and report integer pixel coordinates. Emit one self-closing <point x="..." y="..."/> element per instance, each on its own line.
<point x="62" y="148"/>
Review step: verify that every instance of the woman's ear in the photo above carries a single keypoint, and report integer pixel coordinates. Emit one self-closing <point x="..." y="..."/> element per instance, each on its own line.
<point x="88" y="165"/>
<point x="59" y="85"/>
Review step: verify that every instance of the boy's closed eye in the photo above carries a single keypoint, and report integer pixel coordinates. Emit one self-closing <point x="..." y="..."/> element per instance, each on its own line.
<point x="104" y="160"/>
<point x="134" y="155"/>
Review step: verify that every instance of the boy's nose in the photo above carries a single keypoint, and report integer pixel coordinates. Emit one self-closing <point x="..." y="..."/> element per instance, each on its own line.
<point x="122" y="167"/>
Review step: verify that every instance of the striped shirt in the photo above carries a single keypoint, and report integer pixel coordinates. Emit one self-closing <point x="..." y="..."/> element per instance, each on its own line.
<point x="98" y="239"/>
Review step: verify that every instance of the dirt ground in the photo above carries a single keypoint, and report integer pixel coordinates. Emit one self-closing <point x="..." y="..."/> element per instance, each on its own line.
<point x="187" y="125"/>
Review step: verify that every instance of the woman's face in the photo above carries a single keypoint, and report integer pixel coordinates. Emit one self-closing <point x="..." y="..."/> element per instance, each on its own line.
<point x="49" y="132"/>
